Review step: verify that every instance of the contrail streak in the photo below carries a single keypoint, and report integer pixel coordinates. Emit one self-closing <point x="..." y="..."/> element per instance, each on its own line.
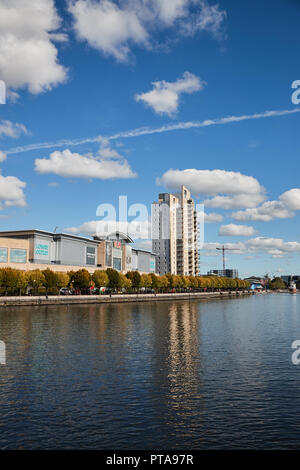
<point x="153" y="130"/>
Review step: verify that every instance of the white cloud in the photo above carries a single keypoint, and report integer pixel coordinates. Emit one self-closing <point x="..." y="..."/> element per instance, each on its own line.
<point x="282" y="209"/>
<point x="268" y="211"/>
<point x="53" y="184"/>
<point x="211" y="181"/>
<point x="230" y="189"/>
<point x="11" y="129"/>
<point x="107" y="27"/>
<point x="3" y="156"/>
<point x="113" y="28"/>
<point x="276" y="247"/>
<point x="70" y="164"/>
<point x="164" y="97"/>
<point x="138" y="230"/>
<point x="291" y="199"/>
<point x="213" y="218"/>
<point x="211" y="19"/>
<point x="105" y="151"/>
<point x="233" y="230"/>
<point x="87" y="228"/>
<point x="11" y="191"/>
<point x="235" y="202"/>
<point x="28" y="57"/>
<point x="271" y="244"/>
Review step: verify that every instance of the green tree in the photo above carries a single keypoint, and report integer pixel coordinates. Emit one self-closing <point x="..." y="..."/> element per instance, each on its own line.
<point x="125" y="282"/>
<point x="114" y="280"/>
<point x="193" y="282"/>
<point x="146" y="281"/>
<point x="36" y="279"/>
<point x="163" y="282"/>
<point x="170" y="280"/>
<point x="277" y="283"/>
<point x="100" y="278"/>
<point x="50" y="282"/>
<point x="154" y="281"/>
<point x="12" y="281"/>
<point x="62" y="280"/>
<point x="81" y="279"/>
<point x="135" y="278"/>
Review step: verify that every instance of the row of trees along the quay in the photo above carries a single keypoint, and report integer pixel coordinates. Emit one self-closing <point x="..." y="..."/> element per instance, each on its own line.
<point x="48" y="282"/>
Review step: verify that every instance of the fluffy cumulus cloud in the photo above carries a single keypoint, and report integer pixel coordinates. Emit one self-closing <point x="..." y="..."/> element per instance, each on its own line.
<point x="164" y="96"/>
<point x="291" y="199"/>
<point x="11" y="192"/>
<point x="28" y="56"/>
<point x="10" y="129"/>
<point x="138" y="230"/>
<point x="105" y="151"/>
<point x="213" y="218"/>
<point x="233" y="230"/>
<point x="275" y="247"/>
<point x="66" y="163"/>
<point x="284" y="208"/>
<point x="229" y="189"/>
<point x="113" y="28"/>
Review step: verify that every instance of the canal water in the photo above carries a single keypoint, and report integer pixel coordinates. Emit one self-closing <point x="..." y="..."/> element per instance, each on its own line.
<point x="211" y="374"/>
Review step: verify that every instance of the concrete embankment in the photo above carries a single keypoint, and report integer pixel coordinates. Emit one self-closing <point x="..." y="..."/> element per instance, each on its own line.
<point x="118" y="298"/>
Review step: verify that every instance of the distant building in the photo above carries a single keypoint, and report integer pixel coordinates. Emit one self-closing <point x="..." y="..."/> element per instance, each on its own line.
<point x="255" y="280"/>
<point x="175" y="234"/>
<point x="290" y="277"/>
<point x="256" y="283"/>
<point x="233" y="273"/>
<point x="115" y="251"/>
<point x="38" y="249"/>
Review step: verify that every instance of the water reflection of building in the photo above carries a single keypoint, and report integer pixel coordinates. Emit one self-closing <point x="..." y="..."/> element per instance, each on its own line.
<point x="177" y="366"/>
<point x="183" y="348"/>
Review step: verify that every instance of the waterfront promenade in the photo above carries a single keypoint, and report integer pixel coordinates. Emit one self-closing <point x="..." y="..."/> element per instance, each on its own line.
<point x="7" y="301"/>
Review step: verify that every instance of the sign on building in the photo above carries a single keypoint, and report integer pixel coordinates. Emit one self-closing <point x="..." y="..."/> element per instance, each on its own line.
<point x="41" y="250"/>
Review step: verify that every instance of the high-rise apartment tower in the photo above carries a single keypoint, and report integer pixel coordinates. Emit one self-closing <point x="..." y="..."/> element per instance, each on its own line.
<point x="175" y="234"/>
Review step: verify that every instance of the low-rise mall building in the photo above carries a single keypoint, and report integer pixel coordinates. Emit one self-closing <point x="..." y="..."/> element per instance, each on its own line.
<point x="38" y="249"/>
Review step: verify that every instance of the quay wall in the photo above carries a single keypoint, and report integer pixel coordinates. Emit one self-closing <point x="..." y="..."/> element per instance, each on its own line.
<point x="117" y="298"/>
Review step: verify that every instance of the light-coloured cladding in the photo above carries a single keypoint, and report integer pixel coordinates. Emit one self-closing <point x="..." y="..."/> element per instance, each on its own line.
<point x="175" y="235"/>
<point x="134" y="260"/>
<point x="9" y="250"/>
<point x="76" y="252"/>
<point x="127" y="258"/>
<point x="101" y="254"/>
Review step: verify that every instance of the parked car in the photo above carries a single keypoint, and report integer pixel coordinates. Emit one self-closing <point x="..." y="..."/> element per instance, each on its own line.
<point x="65" y="291"/>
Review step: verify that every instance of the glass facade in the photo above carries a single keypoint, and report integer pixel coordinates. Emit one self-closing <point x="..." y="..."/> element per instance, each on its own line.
<point x="3" y="255"/>
<point x="117" y="264"/>
<point x="108" y="254"/>
<point x="18" y="255"/>
<point x="91" y="255"/>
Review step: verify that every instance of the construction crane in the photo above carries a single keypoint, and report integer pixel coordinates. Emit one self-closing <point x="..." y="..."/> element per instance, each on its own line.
<point x="223" y="249"/>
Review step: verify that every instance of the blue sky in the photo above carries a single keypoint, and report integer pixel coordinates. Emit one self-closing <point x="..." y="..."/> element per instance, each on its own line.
<point x="84" y="71"/>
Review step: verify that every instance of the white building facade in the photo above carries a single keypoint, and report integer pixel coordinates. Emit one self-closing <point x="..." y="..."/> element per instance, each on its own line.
<point x="175" y="234"/>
